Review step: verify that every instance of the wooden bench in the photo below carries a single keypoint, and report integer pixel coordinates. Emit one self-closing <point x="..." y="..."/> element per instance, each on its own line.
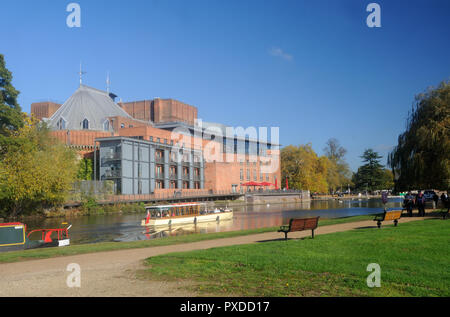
<point x="300" y="225"/>
<point x="388" y="215"/>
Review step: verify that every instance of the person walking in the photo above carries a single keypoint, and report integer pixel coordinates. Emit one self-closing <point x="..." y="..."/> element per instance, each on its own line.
<point x="420" y="201"/>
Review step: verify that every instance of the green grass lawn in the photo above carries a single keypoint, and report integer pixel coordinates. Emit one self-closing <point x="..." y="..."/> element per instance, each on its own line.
<point x="414" y="259"/>
<point x="16" y="256"/>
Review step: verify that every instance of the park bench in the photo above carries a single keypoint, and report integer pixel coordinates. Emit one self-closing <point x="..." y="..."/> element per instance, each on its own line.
<point x="300" y="225"/>
<point x="388" y="215"/>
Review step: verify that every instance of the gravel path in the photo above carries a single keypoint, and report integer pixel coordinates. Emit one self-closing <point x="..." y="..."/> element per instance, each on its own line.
<point x="113" y="273"/>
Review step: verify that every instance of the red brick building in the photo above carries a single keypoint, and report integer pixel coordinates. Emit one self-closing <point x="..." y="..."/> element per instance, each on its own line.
<point x="91" y="114"/>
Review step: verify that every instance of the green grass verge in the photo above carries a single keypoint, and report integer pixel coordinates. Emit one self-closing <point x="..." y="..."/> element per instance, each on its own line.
<point x="414" y="259"/>
<point x="16" y="256"/>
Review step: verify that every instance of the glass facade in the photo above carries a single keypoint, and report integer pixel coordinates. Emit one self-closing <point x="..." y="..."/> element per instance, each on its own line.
<point x="138" y="166"/>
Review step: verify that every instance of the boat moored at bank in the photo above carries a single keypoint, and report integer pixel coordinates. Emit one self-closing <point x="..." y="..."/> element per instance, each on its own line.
<point x="14" y="236"/>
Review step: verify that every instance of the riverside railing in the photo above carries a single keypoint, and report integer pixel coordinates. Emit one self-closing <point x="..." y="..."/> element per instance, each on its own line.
<point x="176" y="195"/>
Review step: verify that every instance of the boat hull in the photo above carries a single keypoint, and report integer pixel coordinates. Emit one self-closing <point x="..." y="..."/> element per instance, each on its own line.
<point x="189" y="220"/>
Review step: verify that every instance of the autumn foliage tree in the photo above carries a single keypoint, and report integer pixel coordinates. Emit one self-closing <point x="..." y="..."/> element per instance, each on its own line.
<point x="304" y="168"/>
<point x="36" y="175"/>
<point x="339" y="174"/>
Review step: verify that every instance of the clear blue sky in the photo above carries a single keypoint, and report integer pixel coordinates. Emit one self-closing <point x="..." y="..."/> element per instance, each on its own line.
<point x="312" y="68"/>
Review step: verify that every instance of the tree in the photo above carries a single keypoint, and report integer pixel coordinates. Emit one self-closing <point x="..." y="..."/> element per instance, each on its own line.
<point x="37" y="174"/>
<point x="338" y="174"/>
<point x="11" y="117"/>
<point x="421" y="158"/>
<point x="387" y="179"/>
<point x="85" y="169"/>
<point x="370" y="175"/>
<point x="304" y="169"/>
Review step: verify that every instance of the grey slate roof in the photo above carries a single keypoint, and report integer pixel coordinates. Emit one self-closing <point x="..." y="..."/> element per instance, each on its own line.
<point x="86" y="103"/>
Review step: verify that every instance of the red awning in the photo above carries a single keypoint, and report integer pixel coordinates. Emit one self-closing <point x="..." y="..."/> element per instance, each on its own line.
<point x="252" y="184"/>
<point x="266" y="184"/>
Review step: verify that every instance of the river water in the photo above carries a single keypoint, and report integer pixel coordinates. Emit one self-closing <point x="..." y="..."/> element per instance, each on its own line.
<point x="126" y="227"/>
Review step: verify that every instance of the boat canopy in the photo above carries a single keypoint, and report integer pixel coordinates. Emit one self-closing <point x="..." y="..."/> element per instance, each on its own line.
<point x="173" y="205"/>
<point x="174" y="210"/>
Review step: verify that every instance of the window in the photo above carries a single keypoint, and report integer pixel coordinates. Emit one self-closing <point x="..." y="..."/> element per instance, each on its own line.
<point x="62" y="124"/>
<point x="159" y="171"/>
<point x="173" y="171"/>
<point x="106" y="125"/>
<point x="248" y="175"/>
<point x="242" y="175"/>
<point x="85" y="124"/>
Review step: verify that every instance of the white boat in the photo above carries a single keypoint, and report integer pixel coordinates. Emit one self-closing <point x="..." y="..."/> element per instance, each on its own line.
<point x="184" y="213"/>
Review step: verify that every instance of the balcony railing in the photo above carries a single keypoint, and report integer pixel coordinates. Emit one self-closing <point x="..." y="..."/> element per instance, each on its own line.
<point x="177" y="194"/>
<point x="114" y="156"/>
<point x="112" y="174"/>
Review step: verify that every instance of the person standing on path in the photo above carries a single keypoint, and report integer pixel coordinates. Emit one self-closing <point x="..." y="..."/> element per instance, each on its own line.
<point x="436" y="200"/>
<point x="408" y="203"/>
<point x="420" y="201"/>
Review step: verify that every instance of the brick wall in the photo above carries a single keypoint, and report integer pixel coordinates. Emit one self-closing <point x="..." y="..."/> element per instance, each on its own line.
<point x="161" y="110"/>
<point x="140" y="110"/>
<point x="170" y="110"/>
<point x="44" y="109"/>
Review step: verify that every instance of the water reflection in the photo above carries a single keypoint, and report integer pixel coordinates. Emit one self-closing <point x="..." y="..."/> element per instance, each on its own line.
<point x="126" y="227"/>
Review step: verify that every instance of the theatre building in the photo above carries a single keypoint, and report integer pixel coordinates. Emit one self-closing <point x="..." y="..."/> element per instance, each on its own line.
<point x="157" y="145"/>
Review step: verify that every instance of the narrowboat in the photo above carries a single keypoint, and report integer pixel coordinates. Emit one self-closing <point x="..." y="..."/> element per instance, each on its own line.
<point x="184" y="213"/>
<point x="14" y="236"/>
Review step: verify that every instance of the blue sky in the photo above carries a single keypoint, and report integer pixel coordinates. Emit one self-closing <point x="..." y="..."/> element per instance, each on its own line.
<point x="312" y="68"/>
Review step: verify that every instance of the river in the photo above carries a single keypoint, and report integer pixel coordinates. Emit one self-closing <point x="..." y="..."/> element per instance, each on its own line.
<point x="126" y="227"/>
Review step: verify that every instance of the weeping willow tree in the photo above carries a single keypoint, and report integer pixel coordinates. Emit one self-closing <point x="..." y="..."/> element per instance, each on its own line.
<point x="422" y="157"/>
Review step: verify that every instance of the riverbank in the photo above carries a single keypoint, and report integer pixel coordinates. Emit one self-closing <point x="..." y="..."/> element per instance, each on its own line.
<point x="92" y="208"/>
<point x="413" y="258"/>
<point x="26" y="255"/>
<point x="117" y="273"/>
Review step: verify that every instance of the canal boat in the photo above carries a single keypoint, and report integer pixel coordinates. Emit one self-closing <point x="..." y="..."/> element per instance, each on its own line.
<point x="184" y="213"/>
<point x="14" y="236"/>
